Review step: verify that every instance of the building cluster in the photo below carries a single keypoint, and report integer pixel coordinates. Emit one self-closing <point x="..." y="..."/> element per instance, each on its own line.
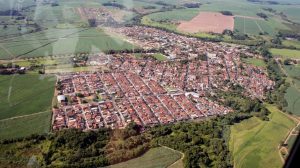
<point x="149" y="92"/>
<point x="95" y="100"/>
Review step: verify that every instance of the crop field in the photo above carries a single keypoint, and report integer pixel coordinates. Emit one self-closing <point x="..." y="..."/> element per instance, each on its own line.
<point x="60" y="41"/>
<point x="254" y="61"/>
<point x="155" y="157"/>
<point x="25" y="94"/>
<point x="292" y="94"/>
<point x="25" y="126"/>
<point x="285" y="53"/>
<point x="253" y="26"/>
<point x="254" y="136"/>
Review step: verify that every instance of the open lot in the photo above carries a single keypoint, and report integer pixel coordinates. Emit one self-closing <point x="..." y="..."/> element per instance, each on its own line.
<point x="254" y="143"/>
<point x="155" y="157"/>
<point x="25" y="94"/>
<point x="208" y="22"/>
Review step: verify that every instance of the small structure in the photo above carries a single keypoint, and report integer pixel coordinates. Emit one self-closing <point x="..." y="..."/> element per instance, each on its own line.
<point x="61" y="98"/>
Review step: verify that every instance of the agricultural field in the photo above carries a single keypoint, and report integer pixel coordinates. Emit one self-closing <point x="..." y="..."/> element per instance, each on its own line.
<point x="37" y="123"/>
<point x="60" y="41"/>
<point x="292" y="94"/>
<point x="254" y="136"/>
<point x="286" y="53"/>
<point x="253" y="26"/>
<point x="155" y="157"/>
<point x="291" y="43"/>
<point x="25" y="94"/>
<point x="254" y="61"/>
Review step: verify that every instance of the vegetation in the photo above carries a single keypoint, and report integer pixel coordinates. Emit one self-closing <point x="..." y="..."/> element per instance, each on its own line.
<point x="285" y="53"/>
<point x="25" y="94"/>
<point x="255" y="62"/>
<point x="155" y="157"/>
<point x="254" y="136"/>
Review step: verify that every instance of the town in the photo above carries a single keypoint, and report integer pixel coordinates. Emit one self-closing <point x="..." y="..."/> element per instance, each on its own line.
<point x="150" y="92"/>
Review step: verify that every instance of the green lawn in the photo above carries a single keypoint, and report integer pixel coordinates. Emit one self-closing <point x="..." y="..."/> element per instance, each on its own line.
<point x="254" y="143"/>
<point x="25" y="126"/>
<point x="254" y="61"/>
<point x="286" y="53"/>
<point x="154" y="158"/>
<point x="25" y="94"/>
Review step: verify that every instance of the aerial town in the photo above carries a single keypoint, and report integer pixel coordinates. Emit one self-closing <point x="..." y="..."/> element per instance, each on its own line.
<point x="150" y="92"/>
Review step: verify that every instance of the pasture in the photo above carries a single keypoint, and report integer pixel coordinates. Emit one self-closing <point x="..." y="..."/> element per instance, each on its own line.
<point x="25" y="94"/>
<point x="155" y="157"/>
<point x="254" y="143"/>
<point x="286" y="53"/>
<point x="60" y="41"/>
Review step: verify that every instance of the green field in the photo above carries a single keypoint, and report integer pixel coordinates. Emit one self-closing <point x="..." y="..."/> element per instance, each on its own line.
<point x="254" y="26"/>
<point x="155" y="157"/>
<point x="25" y="126"/>
<point x="254" y="61"/>
<point x="285" y="53"/>
<point x="254" y="143"/>
<point x="25" y="94"/>
<point x="291" y="43"/>
<point x="61" y="41"/>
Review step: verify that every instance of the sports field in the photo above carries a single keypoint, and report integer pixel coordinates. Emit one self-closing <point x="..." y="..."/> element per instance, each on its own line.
<point x="286" y="53"/>
<point x="155" y="157"/>
<point x="60" y="41"/>
<point x="254" y="143"/>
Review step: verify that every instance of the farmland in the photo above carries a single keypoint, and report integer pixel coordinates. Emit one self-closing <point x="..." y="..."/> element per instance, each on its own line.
<point x="155" y="157"/>
<point x="25" y="94"/>
<point x="60" y="41"/>
<point x="292" y="43"/>
<point x="292" y="94"/>
<point x="254" y="136"/>
<point x="25" y="126"/>
<point x="285" y="53"/>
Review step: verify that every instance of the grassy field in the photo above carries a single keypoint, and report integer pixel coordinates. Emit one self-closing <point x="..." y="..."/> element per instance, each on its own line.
<point x="155" y="157"/>
<point x="293" y="43"/>
<point x="254" y="143"/>
<point x="61" y="41"/>
<point x="25" y="126"/>
<point x="254" y="61"/>
<point x="25" y="94"/>
<point x="286" y="53"/>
